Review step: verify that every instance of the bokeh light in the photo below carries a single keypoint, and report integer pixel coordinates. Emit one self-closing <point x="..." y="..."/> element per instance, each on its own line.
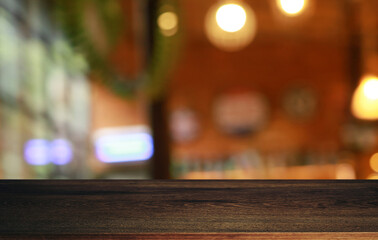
<point x="168" y="23"/>
<point x="129" y="144"/>
<point x="292" y="7"/>
<point x="365" y="99"/>
<point x="231" y="17"/>
<point x="37" y="152"/>
<point x="345" y="171"/>
<point x="371" y="88"/>
<point x="230" y="25"/>
<point x="61" y="151"/>
<point x="374" y="162"/>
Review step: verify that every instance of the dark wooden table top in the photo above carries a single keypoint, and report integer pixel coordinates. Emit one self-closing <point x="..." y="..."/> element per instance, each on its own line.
<point x="144" y="208"/>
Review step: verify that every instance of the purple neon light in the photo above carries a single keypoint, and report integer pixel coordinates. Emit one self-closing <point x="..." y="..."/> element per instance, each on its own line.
<point x="42" y="152"/>
<point x="60" y="152"/>
<point x="36" y="152"/>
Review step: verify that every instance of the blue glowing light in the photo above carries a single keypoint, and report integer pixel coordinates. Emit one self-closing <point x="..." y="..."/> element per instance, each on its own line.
<point x="36" y="152"/>
<point x="60" y="152"/>
<point x="124" y="147"/>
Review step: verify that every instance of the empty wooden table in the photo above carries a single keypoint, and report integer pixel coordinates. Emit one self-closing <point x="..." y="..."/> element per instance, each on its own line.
<point x="172" y="209"/>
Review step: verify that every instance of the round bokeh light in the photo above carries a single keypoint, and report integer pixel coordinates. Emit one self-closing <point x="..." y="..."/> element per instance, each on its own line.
<point x="230" y="25"/>
<point x="231" y="17"/>
<point x="37" y="152"/>
<point x="292" y="7"/>
<point x="60" y="151"/>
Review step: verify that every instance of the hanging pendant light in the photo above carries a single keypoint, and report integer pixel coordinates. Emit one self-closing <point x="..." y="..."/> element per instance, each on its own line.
<point x="365" y="99"/>
<point x="230" y="25"/>
<point x="292" y="8"/>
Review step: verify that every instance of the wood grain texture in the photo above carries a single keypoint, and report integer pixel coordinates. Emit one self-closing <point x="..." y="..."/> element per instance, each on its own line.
<point x="208" y="236"/>
<point x="120" y="207"/>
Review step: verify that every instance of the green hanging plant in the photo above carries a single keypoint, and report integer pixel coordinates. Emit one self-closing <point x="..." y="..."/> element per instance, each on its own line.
<point x="165" y="51"/>
<point x="73" y="17"/>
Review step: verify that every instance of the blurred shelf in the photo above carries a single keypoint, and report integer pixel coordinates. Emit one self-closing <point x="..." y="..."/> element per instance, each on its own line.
<point x="177" y="209"/>
<point x="319" y="171"/>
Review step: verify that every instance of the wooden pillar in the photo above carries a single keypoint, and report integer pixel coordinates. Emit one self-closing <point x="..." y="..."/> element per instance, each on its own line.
<point x="158" y="114"/>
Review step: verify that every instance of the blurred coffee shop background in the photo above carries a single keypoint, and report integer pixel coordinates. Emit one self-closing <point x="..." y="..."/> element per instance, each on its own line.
<point x="189" y="89"/>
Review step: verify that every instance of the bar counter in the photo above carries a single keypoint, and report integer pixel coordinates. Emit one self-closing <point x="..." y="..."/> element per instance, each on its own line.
<point x="175" y="209"/>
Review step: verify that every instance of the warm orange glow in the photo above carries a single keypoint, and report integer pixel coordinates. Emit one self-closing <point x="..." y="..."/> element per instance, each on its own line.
<point x="230" y="25"/>
<point x="345" y="171"/>
<point x="365" y="99"/>
<point x="373" y="177"/>
<point x="374" y="162"/>
<point x="292" y="7"/>
<point x="231" y="17"/>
